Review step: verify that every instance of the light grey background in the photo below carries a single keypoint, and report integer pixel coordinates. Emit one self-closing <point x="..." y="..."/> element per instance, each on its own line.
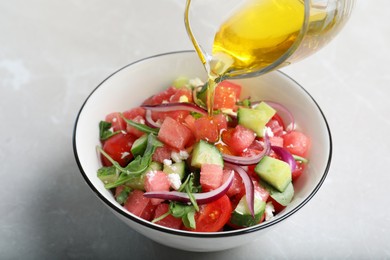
<point x="54" y="53"/>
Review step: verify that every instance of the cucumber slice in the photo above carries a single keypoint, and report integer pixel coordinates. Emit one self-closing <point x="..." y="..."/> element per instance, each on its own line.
<point x="154" y="166"/>
<point x="241" y="215"/>
<point x="178" y="168"/>
<point x="205" y="153"/>
<point x="139" y="146"/>
<point x="274" y="172"/>
<point x="283" y="198"/>
<point x="137" y="183"/>
<point x="255" y="118"/>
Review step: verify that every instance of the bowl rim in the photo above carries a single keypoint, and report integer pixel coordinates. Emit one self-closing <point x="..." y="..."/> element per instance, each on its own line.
<point x="184" y="233"/>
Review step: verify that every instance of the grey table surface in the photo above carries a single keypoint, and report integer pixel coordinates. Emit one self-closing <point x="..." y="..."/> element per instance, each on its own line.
<point x="54" y="53"/>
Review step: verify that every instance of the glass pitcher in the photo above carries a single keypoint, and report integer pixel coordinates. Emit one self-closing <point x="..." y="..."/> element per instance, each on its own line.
<point x="259" y="36"/>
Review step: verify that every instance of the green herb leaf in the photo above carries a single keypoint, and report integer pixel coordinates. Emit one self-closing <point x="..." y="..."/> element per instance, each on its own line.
<point x="185" y="212"/>
<point x="196" y="115"/>
<point x="139" y="164"/>
<point x="190" y="189"/>
<point x="166" y="214"/>
<point x="139" y="145"/>
<point x="246" y="103"/>
<point x="136" y="167"/>
<point x="141" y="127"/>
<point x="105" y="130"/>
<point x="189" y="219"/>
<point x="178" y="210"/>
<point x="122" y="197"/>
<point x="108" y="174"/>
<point x="123" y="178"/>
<point x="184" y="184"/>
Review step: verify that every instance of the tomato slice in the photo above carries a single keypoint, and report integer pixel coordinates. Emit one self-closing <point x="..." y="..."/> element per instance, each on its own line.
<point x="225" y="149"/>
<point x="213" y="216"/>
<point x="118" y="148"/>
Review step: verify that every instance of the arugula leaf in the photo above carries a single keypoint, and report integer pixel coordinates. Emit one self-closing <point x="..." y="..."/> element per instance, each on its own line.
<point x="246" y="103"/>
<point x="196" y="115"/>
<point x="185" y="212"/>
<point x="141" y="127"/>
<point x="166" y="214"/>
<point x="123" y="178"/>
<point x="104" y="130"/>
<point x="190" y="188"/>
<point x="139" y="145"/>
<point x="122" y="197"/>
<point x="189" y="219"/>
<point x="184" y="184"/>
<point x="178" y="209"/>
<point x="141" y="163"/>
<point x="108" y="174"/>
<point x="136" y="167"/>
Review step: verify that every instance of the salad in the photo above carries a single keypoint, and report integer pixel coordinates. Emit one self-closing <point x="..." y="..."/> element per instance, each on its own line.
<point x="169" y="162"/>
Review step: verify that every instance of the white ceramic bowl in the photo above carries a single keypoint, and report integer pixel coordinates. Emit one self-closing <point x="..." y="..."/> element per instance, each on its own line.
<point x="129" y="86"/>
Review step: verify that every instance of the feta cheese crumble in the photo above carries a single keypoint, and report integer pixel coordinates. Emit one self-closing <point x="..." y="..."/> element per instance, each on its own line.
<point x="174" y="180"/>
<point x="167" y="162"/>
<point x="151" y="174"/>
<point x="269" y="211"/>
<point x="179" y="156"/>
<point x="269" y="132"/>
<point x="124" y="154"/>
<point x="183" y="99"/>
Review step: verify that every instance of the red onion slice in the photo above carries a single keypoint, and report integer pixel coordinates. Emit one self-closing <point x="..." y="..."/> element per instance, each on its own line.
<point x="149" y="121"/>
<point x="184" y="106"/>
<point x="239" y="160"/>
<point x="281" y="109"/>
<point x="201" y="198"/>
<point x="286" y="156"/>
<point x="249" y="188"/>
